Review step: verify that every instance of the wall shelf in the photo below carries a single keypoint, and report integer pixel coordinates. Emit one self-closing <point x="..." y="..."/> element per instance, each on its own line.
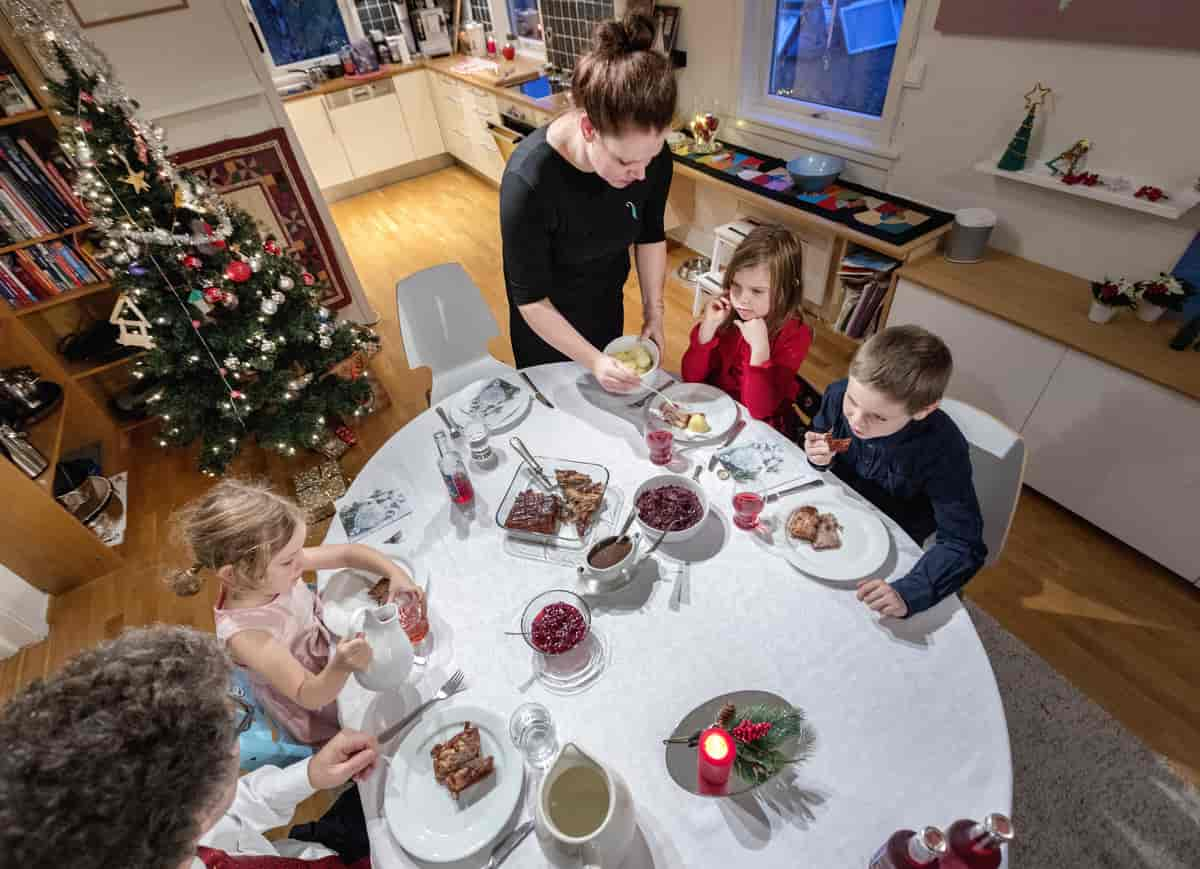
<point x="62" y="298"/>
<point x="54" y="236"/>
<point x="1179" y="203"/>
<point x="24" y="116"/>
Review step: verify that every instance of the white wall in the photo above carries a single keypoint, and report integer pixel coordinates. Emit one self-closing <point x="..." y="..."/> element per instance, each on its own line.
<point x="1137" y="105"/>
<point x="22" y="613"/>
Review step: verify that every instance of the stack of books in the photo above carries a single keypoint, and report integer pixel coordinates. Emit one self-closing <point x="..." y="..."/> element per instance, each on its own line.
<point x="43" y="271"/>
<point x="35" y="199"/>
<point x="863" y="281"/>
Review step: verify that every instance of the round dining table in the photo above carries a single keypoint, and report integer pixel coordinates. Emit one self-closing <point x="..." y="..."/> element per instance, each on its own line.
<point x="909" y="725"/>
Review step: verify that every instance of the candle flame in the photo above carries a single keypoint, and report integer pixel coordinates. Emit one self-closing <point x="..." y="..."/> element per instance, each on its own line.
<point x="716" y="746"/>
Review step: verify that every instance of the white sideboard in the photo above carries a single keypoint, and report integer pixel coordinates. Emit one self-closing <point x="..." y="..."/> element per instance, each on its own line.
<point x="1113" y="447"/>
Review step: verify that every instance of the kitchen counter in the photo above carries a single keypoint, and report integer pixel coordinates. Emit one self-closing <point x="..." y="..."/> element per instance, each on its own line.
<point x="526" y="70"/>
<point x="1055" y="304"/>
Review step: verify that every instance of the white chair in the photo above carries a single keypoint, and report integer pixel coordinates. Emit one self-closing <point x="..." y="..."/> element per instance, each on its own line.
<point x="446" y="325"/>
<point x="998" y="468"/>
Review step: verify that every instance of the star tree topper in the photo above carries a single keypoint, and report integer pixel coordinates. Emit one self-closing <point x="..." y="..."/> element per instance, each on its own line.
<point x="1036" y="96"/>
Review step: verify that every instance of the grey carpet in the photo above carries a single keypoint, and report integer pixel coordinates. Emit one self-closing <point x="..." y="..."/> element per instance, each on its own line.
<point x="1086" y="792"/>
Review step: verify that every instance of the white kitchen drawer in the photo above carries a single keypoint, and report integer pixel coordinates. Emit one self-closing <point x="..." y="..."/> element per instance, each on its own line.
<point x="998" y="367"/>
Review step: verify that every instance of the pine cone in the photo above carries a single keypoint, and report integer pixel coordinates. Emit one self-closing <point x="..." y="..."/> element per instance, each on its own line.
<point x="726" y="715"/>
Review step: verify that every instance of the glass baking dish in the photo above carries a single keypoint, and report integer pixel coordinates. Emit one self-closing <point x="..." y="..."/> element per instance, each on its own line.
<point x="567" y="535"/>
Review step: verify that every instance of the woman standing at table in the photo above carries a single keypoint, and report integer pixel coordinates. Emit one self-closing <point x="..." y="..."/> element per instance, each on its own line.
<point x="577" y="193"/>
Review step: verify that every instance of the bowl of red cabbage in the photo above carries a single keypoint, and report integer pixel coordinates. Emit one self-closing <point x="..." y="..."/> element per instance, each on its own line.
<point x="671" y="503"/>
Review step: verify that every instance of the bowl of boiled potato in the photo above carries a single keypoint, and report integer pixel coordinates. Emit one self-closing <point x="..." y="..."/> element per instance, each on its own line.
<point x="638" y="354"/>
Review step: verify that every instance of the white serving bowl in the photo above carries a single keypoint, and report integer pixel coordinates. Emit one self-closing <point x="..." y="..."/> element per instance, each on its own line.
<point x="628" y="342"/>
<point x="651" y="533"/>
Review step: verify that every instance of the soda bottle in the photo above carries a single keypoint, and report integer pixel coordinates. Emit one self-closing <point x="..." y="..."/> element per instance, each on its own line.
<point x="907" y="849"/>
<point x="454" y="472"/>
<point x="977" y="845"/>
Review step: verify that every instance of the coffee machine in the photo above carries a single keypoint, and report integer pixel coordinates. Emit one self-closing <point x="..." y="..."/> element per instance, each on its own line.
<point x="432" y="29"/>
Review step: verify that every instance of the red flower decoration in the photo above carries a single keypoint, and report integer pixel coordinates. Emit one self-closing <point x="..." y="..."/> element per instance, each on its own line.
<point x="238" y="272"/>
<point x="1150" y="192"/>
<point x="212" y="295"/>
<point x="192" y="261"/>
<point x="346" y="435"/>
<point x="308" y="279"/>
<point x="271" y="247"/>
<point x="749" y="731"/>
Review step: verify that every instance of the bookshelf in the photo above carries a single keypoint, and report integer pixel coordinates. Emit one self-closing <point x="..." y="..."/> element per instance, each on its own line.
<point x="40" y="540"/>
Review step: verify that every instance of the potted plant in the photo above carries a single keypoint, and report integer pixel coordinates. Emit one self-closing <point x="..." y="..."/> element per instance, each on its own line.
<point x="1164" y="293"/>
<point x="1109" y="296"/>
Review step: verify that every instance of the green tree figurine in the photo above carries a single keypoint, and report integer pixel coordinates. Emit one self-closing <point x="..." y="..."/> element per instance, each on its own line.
<point x="1017" y="151"/>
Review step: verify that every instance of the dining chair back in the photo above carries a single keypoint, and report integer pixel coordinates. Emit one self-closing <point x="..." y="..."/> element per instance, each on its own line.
<point x="805" y="407"/>
<point x="265" y="742"/>
<point x="997" y="467"/>
<point x="445" y="325"/>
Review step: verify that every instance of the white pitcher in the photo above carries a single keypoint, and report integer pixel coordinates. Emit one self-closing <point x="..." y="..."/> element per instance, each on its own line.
<point x="604" y="846"/>
<point x="391" y="649"/>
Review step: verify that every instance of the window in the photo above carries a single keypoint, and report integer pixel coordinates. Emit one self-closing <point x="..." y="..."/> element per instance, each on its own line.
<point x="300" y="30"/>
<point x="526" y="19"/>
<point x="832" y="63"/>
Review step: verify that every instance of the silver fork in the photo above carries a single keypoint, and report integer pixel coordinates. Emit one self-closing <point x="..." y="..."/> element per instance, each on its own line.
<point x="641" y="402"/>
<point x="451" y="687"/>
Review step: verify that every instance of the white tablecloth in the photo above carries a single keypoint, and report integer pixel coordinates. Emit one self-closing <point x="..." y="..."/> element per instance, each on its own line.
<point x="909" y="723"/>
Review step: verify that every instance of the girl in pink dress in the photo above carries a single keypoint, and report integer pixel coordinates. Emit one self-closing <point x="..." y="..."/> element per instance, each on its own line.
<point x="253" y="541"/>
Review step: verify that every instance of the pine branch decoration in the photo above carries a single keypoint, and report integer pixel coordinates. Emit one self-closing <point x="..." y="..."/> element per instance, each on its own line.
<point x="761" y="759"/>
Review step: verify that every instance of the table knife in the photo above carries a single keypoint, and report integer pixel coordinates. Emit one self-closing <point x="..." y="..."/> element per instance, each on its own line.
<point x="729" y="438"/>
<point x="538" y="472"/>
<point x="509" y="844"/>
<point x="775" y="496"/>
<point x="451" y="426"/>
<point x="537" y="393"/>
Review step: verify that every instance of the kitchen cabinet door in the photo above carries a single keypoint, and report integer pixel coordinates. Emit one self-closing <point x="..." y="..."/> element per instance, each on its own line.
<point x="1124" y="454"/>
<point x="373" y="132"/>
<point x="420" y="116"/>
<point x="319" y="141"/>
<point x="998" y="367"/>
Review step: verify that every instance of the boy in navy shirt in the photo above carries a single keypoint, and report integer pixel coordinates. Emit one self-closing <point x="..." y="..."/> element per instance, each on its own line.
<point x="908" y="459"/>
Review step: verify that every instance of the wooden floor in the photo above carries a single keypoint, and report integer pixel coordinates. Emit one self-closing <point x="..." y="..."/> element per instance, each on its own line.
<point x="1121" y="628"/>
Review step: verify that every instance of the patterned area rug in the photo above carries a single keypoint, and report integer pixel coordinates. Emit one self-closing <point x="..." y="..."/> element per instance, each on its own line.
<point x="260" y="174"/>
<point x="1086" y="791"/>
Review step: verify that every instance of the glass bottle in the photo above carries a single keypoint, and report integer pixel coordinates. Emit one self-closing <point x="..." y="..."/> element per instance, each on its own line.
<point x="977" y="845"/>
<point x="491" y="45"/>
<point x="454" y="472"/>
<point x="907" y="849"/>
<point x="510" y="54"/>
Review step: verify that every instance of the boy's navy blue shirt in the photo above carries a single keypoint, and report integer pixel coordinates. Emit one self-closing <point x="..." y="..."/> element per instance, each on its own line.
<point x="921" y="477"/>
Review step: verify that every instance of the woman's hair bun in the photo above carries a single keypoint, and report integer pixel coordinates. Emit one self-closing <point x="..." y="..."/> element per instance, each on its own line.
<point x="635" y="32"/>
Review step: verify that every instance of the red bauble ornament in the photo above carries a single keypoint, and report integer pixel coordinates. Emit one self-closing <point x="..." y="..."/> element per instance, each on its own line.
<point x="195" y="324"/>
<point x="346" y="435"/>
<point x="308" y="279"/>
<point x="238" y="272"/>
<point x="192" y="261"/>
<point x="271" y="247"/>
<point x="212" y="295"/>
<point x="217" y="243"/>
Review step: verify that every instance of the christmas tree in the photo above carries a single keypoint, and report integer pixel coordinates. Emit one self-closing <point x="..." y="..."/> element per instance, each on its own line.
<point x="238" y="343"/>
<point x="1017" y="151"/>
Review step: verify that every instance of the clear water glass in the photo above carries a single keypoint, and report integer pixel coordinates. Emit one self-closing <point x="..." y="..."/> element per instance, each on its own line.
<point x="532" y="731"/>
<point x="478" y="439"/>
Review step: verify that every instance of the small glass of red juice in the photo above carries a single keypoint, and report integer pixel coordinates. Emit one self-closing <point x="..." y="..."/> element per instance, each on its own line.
<point x="748" y="503"/>
<point x="660" y="442"/>
<point x="414" y="617"/>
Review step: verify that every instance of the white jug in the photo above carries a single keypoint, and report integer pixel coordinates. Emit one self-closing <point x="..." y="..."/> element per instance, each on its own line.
<point x="582" y="793"/>
<point x="391" y="649"/>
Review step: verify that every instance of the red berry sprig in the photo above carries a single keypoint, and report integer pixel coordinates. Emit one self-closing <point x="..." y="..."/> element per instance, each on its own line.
<point x="749" y="731"/>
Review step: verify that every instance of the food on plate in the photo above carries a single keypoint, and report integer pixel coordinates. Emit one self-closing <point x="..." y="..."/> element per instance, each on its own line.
<point x="836" y="445"/>
<point x="678" y="417"/>
<point x="809" y="524"/>
<point x="638" y="358"/>
<point x="534" y="511"/>
<point x="457" y="763"/>
<point x="698" y="424"/>
<point x="557" y="628"/>
<point x="379" y="591"/>
<point x="669" y="508"/>
<point x="581" y="498"/>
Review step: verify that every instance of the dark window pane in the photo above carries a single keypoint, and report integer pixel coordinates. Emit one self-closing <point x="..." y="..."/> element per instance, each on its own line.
<point x="297" y="30"/>
<point x="526" y="21"/>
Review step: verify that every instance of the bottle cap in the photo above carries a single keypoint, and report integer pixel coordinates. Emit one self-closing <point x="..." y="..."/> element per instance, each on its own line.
<point x="927" y="846"/>
<point x="998" y="828"/>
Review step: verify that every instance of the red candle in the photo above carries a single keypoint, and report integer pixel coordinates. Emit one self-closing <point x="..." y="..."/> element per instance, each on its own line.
<point x="714" y="756"/>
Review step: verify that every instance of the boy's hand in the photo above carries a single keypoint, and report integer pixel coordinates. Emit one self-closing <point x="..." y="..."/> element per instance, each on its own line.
<point x="348" y="755"/>
<point x="351" y="655"/>
<point x="816" y="447"/>
<point x="756" y="335"/>
<point x="715" y="313"/>
<point x="882" y="598"/>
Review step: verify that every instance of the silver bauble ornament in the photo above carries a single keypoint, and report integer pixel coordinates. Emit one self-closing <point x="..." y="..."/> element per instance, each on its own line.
<point x="269" y="307"/>
<point x="326" y="342"/>
<point x="286" y="283"/>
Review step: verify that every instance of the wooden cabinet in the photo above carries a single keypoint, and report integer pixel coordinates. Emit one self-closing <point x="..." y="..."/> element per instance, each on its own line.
<point x="465" y="112"/>
<point x="416" y="103"/>
<point x="322" y="147"/>
<point x="370" y="125"/>
<point x="998" y="367"/>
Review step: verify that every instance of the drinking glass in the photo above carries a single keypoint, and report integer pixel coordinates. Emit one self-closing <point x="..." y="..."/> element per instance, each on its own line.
<point x="660" y="443"/>
<point x="532" y="731"/>
<point x="748" y="503"/>
<point x="477" y="433"/>
<point x="414" y="617"/>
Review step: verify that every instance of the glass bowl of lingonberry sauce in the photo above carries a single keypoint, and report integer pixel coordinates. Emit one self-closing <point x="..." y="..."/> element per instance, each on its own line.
<point x="556" y="621"/>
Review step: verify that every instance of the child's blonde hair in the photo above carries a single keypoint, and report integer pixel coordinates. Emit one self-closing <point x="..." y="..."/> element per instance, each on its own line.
<point x="908" y="364"/>
<point x="238" y="523"/>
<point x="780" y="250"/>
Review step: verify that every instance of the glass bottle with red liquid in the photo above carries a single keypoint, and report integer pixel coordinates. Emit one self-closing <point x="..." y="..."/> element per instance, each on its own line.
<point x="454" y="472"/>
<point x="907" y="849"/>
<point x="976" y="845"/>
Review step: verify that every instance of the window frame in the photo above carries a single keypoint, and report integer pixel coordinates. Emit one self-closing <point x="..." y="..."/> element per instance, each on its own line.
<point x="353" y="24"/>
<point x="854" y="129"/>
<point x="530" y="47"/>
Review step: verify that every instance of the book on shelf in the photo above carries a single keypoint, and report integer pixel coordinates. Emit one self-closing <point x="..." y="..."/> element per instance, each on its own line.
<point x="863" y="281"/>
<point x="42" y="271"/>
<point x="34" y="198"/>
<point x="15" y="98"/>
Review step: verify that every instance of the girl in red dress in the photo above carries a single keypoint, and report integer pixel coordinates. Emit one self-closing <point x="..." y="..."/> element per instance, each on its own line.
<point x="751" y="341"/>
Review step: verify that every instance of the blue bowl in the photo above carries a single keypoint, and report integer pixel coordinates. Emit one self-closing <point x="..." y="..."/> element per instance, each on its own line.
<point x="812" y="173"/>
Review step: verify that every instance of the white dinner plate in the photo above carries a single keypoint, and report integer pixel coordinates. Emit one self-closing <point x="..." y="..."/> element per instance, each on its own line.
<point x="719" y="409"/>
<point x="346" y="592"/>
<point x="503" y="401"/>
<point x="427" y="822"/>
<point x="865" y="539"/>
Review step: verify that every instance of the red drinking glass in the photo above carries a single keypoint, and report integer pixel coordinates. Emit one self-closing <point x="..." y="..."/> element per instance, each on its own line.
<point x="414" y="617"/>
<point x="748" y="503"/>
<point x="660" y="443"/>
